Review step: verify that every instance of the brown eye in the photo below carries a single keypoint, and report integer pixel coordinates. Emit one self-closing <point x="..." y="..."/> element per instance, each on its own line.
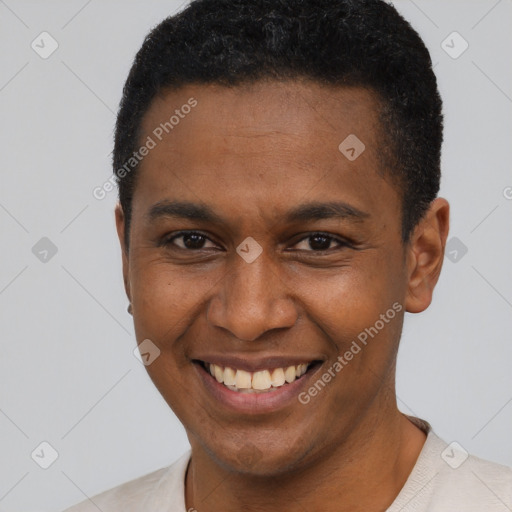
<point x="188" y="241"/>
<point x="318" y="242"/>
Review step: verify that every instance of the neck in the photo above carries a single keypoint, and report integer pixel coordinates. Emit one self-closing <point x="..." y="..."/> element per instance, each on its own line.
<point x="365" y="472"/>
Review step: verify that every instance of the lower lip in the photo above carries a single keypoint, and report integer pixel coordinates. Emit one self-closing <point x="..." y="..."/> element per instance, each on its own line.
<point x="255" y="403"/>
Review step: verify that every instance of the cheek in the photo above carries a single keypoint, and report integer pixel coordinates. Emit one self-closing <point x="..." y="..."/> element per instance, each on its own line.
<point x="347" y="300"/>
<point x="167" y="299"/>
<point x="359" y="312"/>
<point x="360" y="317"/>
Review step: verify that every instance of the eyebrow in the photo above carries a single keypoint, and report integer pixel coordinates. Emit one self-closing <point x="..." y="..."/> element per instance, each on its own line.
<point x="303" y="213"/>
<point x="329" y="210"/>
<point x="184" y="210"/>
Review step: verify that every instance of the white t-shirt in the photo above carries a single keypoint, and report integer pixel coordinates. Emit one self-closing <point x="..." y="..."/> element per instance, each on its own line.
<point x="444" y="479"/>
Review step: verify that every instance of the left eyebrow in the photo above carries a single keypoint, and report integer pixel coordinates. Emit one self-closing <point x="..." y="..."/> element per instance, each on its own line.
<point x="330" y="210"/>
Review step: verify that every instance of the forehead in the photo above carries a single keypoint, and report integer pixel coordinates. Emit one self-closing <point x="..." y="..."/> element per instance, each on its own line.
<point x="268" y="142"/>
<point x="302" y="108"/>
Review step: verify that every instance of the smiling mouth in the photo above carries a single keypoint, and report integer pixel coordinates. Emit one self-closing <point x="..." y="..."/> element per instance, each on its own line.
<point x="262" y="381"/>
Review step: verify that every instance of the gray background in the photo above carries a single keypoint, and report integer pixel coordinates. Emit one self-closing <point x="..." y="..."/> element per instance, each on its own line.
<point x="67" y="371"/>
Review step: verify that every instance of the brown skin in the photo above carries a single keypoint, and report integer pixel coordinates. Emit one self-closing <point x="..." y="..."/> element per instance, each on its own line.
<point x="252" y="153"/>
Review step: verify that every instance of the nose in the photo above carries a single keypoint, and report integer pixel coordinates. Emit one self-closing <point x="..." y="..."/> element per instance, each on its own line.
<point x="253" y="299"/>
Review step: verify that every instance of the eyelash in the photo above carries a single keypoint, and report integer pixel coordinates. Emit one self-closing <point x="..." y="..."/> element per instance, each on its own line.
<point x="168" y="241"/>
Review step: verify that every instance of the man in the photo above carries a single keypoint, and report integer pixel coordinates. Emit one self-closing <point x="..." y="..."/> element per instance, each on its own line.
<point x="278" y="164"/>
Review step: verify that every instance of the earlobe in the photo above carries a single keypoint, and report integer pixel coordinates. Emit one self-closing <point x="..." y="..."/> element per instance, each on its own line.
<point x="120" y="226"/>
<point x="426" y="254"/>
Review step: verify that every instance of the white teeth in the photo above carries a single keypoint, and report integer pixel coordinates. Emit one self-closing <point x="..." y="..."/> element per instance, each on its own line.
<point x="260" y="381"/>
<point x="289" y="374"/>
<point x="219" y="374"/>
<point x="243" y="379"/>
<point x="229" y="376"/>
<point x="278" y="377"/>
<point x="301" y="370"/>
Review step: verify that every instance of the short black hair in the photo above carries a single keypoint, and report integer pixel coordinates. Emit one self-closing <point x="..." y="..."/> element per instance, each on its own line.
<point x="364" y="43"/>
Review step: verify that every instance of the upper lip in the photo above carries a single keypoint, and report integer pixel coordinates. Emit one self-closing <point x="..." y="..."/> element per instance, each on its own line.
<point x="254" y="364"/>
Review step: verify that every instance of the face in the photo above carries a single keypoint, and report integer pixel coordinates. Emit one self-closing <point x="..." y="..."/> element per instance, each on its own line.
<point x="259" y="252"/>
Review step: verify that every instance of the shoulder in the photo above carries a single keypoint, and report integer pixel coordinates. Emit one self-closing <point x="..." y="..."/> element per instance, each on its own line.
<point x="479" y="483"/>
<point x="456" y="479"/>
<point x="140" y="493"/>
<point x="447" y="478"/>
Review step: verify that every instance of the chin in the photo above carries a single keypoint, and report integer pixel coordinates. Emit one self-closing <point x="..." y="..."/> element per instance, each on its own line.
<point x="258" y="459"/>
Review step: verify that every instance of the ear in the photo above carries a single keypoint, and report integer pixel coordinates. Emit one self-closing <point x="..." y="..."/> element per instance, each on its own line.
<point x="425" y="255"/>
<point x="120" y="226"/>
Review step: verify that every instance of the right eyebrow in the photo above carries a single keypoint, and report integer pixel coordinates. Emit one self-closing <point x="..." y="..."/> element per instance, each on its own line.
<point x="184" y="210"/>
